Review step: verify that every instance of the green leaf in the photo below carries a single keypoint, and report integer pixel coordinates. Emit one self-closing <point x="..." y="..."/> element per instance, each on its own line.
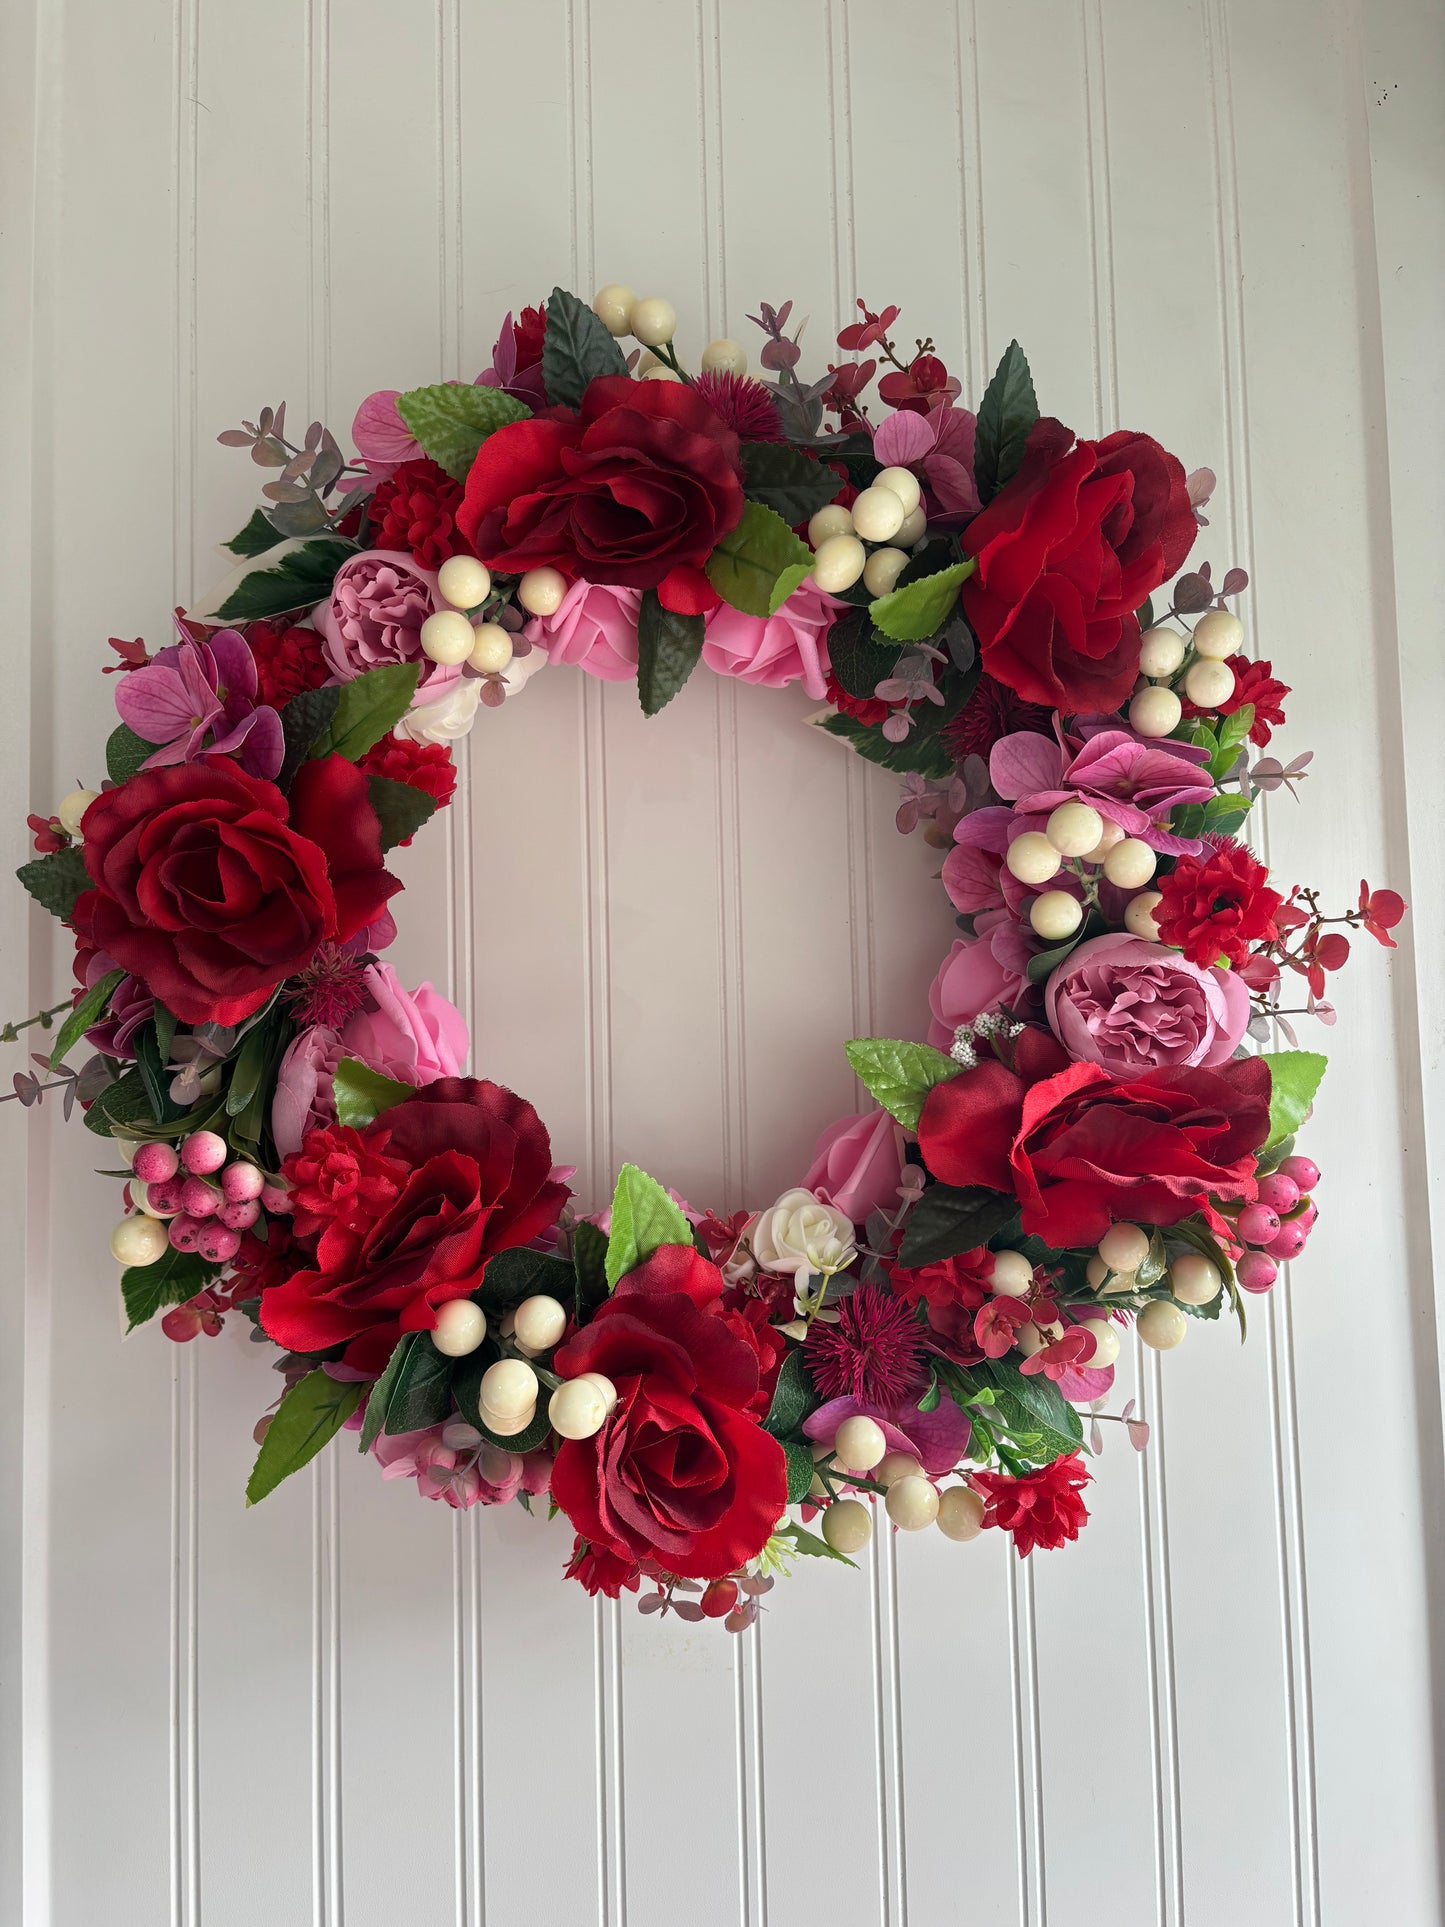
<point x="362" y="1094"/>
<point x="643" y="1217"/>
<point x="800" y="1470"/>
<point x="1041" y="967"/>
<point x="124" y="753"/>
<point x="786" y="480"/>
<point x="401" y="809"/>
<point x="302" y="721"/>
<point x="948" y="1219"/>
<point x="453" y="419"/>
<point x="56" y="881"/>
<point x="1223" y="815"/>
<point x="576" y="349"/>
<point x="379" y="1398"/>
<point x="248" y="1073"/>
<point x="511" y="1276"/>
<point x="121" y="1104"/>
<point x="366" y="708"/>
<point x="171" y="1280"/>
<point x="856" y="656"/>
<point x="900" y="1075"/>
<point x="918" y="611"/>
<point x="152" y="1067"/>
<point x="1007" y="412"/>
<point x="257" y="536"/>
<point x="1294" y="1077"/>
<point x="310" y="1415"/>
<point x="302" y="578"/>
<point x="922" y="749"/>
<point x="1032" y="1405"/>
<point x="790" y="579"/>
<point x="793" y="1397"/>
<point x="1233" y="730"/>
<point x="747" y="562"/>
<point x="421" y="1391"/>
<point x="589" y="1255"/>
<point x="88" y="1011"/>
<point x="669" y="647"/>
<point x="809" y="1543"/>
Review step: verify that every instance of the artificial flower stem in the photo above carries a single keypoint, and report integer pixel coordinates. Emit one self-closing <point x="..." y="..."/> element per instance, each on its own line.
<point x="11" y="1032"/>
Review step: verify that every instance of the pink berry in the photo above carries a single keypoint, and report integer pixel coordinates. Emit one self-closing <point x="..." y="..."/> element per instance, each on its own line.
<point x="203" y="1152"/>
<point x="1256" y="1272"/>
<point x="1289" y="1242"/>
<point x="163" y="1200"/>
<point x="1280" y="1193"/>
<point x="240" y="1213"/>
<point x="218" y="1243"/>
<point x="1257" y="1224"/>
<point x="154" y="1163"/>
<point x="185" y="1232"/>
<point x="1305" y="1216"/>
<point x="200" y="1199"/>
<point x="277" y="1198"/>
<point x="241" y="1180"/>
<point x="1304" y="1171"/>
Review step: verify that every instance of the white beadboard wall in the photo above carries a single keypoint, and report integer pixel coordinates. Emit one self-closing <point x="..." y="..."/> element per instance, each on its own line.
<point x="1218" y="220"/>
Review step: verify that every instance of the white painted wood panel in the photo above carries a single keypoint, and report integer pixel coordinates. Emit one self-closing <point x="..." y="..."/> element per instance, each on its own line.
<point x="1216" y="220"/>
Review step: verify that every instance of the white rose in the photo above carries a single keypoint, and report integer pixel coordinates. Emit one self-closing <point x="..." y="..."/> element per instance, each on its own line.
<point x="800" y="1234"/>
<point x="521" y="669"/>
<point x="447" y="717"/>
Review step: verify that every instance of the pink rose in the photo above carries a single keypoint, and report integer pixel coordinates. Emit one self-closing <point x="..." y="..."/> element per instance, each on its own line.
<point x="415" y="1036"/>
<point x="988" y="971"/>
<point x="791" y="646"/>
<point x="594" y="627"/>
<point x="857" y="1165"/>
<point x="1132" y="1006"/>
<point x="302" y="1099"/>
<point x="378" y="603"/>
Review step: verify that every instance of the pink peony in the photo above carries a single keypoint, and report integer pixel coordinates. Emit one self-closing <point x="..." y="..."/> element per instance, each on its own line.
<point x="594" y="627"/>
<point x="1130" y="1006"/>
<point x="857" y="1165"/>
<point x="302" y="1100"/>
<point x="988" y="971"/>
<point x="414" y="1036"/>
<point x="378" y="603"/>
<point x="791" y="646"/>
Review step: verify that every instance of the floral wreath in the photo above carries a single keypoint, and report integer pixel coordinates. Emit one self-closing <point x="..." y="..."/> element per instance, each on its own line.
<point x="927" y="1322"/>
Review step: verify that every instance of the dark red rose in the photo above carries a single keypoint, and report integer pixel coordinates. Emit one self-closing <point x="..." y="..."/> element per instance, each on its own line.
<point x="948" y="1281"/>
<point x="288" y="660"/>
<point x="635" y="490"/>
<point x="601" y="1571"/>
<point x="424" y="766"/>
<point x="475" y="1161"/>
<point x="1218" y="904"/>
<point x="211" y="888"/>
<point x="1082" y="1150"/>
<point x="1067" y="551"/>
<point x="1044" y="1508"/>
<point x="416" y="509"/>
<point x="681" y="1472"/>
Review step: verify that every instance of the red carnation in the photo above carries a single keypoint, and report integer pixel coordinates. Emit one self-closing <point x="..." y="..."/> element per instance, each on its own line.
<point x="1218" y="904"/>
<point x="634" y="490"/>
<point x="529" y="332"/>
<point x="681" y="1472"/>
<point x="416" y="509"/>
<point x="599" y="1571"/>
<point x="338" y="1177"/>
<point x="423" y="766"/>
<point x="1043" y="1508"/>
<point x="1067" y="551"/>
<point x="212" y="887"/>
<point x="1253" y="683"/>
<point x="288" y="660"/>
<point x="948" y="1281"/>
<point x="863" y="709"/>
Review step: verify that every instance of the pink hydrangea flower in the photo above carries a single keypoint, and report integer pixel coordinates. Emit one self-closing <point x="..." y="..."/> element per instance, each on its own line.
<point x="791" y="646"/>
<point x="454" y="1463"/>
<point x="938" y="447"/>
<point x="1131" y="1006"/>
<point x="858" y="1164"/>
<point x="1131" y="780"/>
<point x="380" y="436"/>
<point x="594" y="628"/>
<point x="988" y="971"/>
<point x="199" y="690"/>
<point x="937" y="1439"/>
<point x="414" y="1036"/>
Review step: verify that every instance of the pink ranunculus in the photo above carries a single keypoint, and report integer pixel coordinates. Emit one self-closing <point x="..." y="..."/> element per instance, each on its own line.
<point x="415" y="1036"/>
<point x="594" y="628"/>
<point x="857" y="1165"/>
<point x="382" y="439"/>
<point x="988" y="971"/>
<point x="1131" y="1006"/>
<point x="791" y="646"/>
<point x="378" y="603"/>
<point x="470" y="1471"/>
<point x="303" y="1100"/>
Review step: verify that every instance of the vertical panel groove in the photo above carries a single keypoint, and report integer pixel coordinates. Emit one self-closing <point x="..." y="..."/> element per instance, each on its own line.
<point x="1159" y="1646"/>
<point x="970" y="147"/>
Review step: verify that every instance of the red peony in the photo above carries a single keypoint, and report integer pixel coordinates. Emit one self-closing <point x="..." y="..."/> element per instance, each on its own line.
<point x="601" y="1571"/>
<point x="1082" y="1150"/>
<point x="288" y="660"/>
<point x="1043" y="1508"/>
<point x="416" y="509"/>
<point x="681" y="1472"/>
<point x="1215" y="905"/>
<point x="338" y="1178"/>
<point x="470" y="1162"/>
<point x="635" y="490"/>
<point x="212" y="887"/>
<point x="948" y="1281"/>
<point x="423" y="766"/>
<point x="1067" y="551"/>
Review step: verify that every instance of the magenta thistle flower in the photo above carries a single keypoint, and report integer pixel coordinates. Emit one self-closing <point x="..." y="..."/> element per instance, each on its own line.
<point x="330" y="989"/>
<point x="742" y="404"/>
<point x="874" y="1353"/>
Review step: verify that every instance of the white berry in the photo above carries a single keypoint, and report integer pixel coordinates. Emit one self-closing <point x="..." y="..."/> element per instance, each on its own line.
<point x="1032" y="858"/>
<point x="859" y="1444"/>
<point x="1162" y="1325"/>
<point x="725" y="357"/>
<point x="904" y="484"/>
<point x="1106" y="1343"/>
<point x="1096" y="1271"/>
<point x="460" y="1328"/>
<point x="1194" y="1279"/>
<point x="506" y="1425"/>
<point x="1160" y="651"/>
<point x="604" y="1386"/>
<point x="914" y="523"/>
<point x="652" y="321"/>
<point x="509" y="1387"/>
<point x="1209" y="683"/>
<point x="1124" y="1247"/>
<point x="1130" y="864"/>
<point x="1139" y="915"/>
<point x="847" y="1525"/>
<point x="838" y="563"/>
<point x="612" y="306"/>
<point x="1155" y="711"/>
<point x="447" y="637"/>
<point x="1218" y="634"/>
<point x="1074" y="828"/>
<point x="72" y="809"/>
<point x="540" y="591"/>
<point x="1110" y="836"/>
<point x="577" y="1409"/>
<point x="463" y="581"/>
<point x="832" y="520"/>
<point x="1056" y="915"/>
<point x="878" y="514"/>
<point x="1012" y="1275"/>
<point x="894" y="1466"/>
<point x="660" y="372"/>
<point x="139" y="1241"/>
<point x="912" y="1503"/>
<point x="960" y="1513"/>
<point x="491" y="649"/>
<point x="540" y="1322"/>
<point x="882" y="570"/>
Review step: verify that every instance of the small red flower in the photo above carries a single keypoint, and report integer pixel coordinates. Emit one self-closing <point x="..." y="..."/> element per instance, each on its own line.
<point x="997" y="1323"/>
<point x="741" y="404"/>
<point x="416" y="509"/>
<point x="424" y="766"/>
<point x="1042" y="1509"/>
<point x="1380" y="911"/>
<point x="863" y="709"/>
<point x="529" y="331"/>
<point x="338" y="1177"/>
<point x="49" y="836"/>
<point x="1218" y="904"/>
<point x="1254" y="684"/>
<point x="288" y="660"/>
<point x="870" y="332"/>
<point x="949" y="1281"/>
<point x="133" y="655"/>
<point x="923" y="385"/>
<point x="600" y="1570"/>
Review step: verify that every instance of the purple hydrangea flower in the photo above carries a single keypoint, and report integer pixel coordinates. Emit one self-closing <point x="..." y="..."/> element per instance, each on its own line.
<point x="198" y="690"/>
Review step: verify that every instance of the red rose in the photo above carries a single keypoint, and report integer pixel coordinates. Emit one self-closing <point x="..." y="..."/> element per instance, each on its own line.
<point x="474" y="1162"/>
<point x="1215" y="905"/>
<point x="636" y="490"/>
<point x="1067" y="551"/>
<point x="423" y="766"/>
<point x="211" y="888"/>
<point x="1042" y="1509"/>
<point x="1081" y="1150"/>
<point x="416" y="509"/>
<point x="288" y="661"/>
<point x="680" y="1472"/>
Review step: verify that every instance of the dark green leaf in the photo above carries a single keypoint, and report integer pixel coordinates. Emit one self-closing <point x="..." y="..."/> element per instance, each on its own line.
<point x="165" y="1023"/>
<point x="1223" y="815"/>
<point x="401" y="809"/>
<point x="786" y="480"/>
<point x="56" y="881"/>
<point x="367" y="708"/>
<point x="302" y="721"/>
<point x="88" y="1011"/>
<point x="362" y="1094"/>
<point x="1032" y="1405"/>
<point x="420" y="1393"/>
<point x="791" y="579"/>
<point x="1007" y="412"/>
<point x="125" y="752"/>
<point x="1294" y="1077"/>
<point x="310" y="1415"/>
<point x="453" y="419"/>
<point x="800" y="1470"/>
<point x="152" y="1067"/>
<point x="249" y="1071"/>
<point x="379" y="1397"/>
<point x="576" y="349"/>
<point x="929" y="1400"/>
<point x="511" y="1276"/>
<point x="858" y="658"/>
<point x="257" y="536"/>
<point x="669" y="647"/>
<point x="589" y="1255"/>
<point x="918" y="611"/>
<point x="900" y="1075"/>
<point x="947" y="1220"/>
<point x="171" y="1280"/>
<point x="923" y="749"/>
<point x="747" y="562"/>
<point x="793" y="1397"/>
<point x="1041" y="967"/>
<point x="302" y="578"/>
<point x="643" y="1218"/>
<point x="1144" y="614"/>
